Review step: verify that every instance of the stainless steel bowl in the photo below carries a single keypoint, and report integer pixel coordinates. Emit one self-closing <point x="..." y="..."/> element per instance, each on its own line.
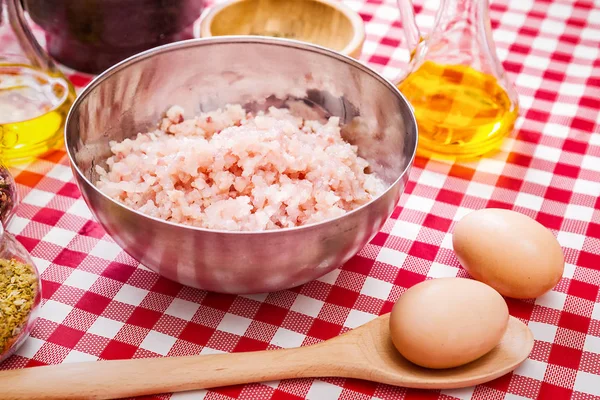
<point x="204" y="74"/>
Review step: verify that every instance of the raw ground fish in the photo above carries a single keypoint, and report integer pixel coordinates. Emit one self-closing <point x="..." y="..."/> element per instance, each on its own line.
<point x="230" y="170"/>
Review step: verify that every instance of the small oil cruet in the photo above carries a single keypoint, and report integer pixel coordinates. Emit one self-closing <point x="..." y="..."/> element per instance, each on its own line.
<point x="35" y="96"/>
<point x="464" y="103"/>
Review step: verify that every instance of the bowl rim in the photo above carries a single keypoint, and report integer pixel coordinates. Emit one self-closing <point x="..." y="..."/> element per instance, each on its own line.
<point x="290" y="43"/>
<point x="202" y="26"/>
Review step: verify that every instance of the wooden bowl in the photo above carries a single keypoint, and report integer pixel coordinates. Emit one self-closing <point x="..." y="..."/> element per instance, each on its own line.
<point x="327" y="23"/>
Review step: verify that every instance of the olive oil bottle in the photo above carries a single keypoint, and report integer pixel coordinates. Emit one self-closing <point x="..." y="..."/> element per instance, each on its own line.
<point x="464" y="103"/>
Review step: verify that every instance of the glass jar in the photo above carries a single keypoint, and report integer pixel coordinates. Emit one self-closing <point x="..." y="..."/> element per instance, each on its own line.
<point x="20" y="283"/>
<point x="93" y="35"/>
<point x="20" y="294"/>
<point x="9" y="196"/>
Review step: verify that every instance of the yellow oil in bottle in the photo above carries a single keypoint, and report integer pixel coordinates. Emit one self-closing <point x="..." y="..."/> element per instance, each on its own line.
<point x="460" y="112"/>
<point x="33" y="109"/>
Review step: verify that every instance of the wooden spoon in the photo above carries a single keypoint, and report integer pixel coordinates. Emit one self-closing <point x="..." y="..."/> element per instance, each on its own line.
<point x="366" y="352"/>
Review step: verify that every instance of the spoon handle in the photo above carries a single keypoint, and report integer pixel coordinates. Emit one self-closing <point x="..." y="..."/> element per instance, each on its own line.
<point x="127" y="378"/>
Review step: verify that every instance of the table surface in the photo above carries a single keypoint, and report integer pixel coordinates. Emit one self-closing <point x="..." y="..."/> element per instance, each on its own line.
<point x="99" y="303"/>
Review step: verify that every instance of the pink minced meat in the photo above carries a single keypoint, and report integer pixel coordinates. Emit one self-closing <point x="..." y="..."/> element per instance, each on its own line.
<point x="230" y="170"/>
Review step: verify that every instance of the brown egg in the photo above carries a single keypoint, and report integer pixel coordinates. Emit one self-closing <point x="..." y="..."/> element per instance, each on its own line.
<point x="509" y="251"/>
<point x="447" y="322"/>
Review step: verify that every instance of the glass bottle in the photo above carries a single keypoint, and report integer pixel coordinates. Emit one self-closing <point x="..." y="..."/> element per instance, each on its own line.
<point x="35" y="96"/>
<point x="464" y="103"/>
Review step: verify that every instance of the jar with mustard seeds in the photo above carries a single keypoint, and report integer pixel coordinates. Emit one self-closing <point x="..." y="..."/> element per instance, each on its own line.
<point x="20" y="294"/>
<point x="20" y="284"/>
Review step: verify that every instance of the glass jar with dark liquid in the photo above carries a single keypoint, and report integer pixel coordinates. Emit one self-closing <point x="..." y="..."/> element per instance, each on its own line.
<point x="93" y="35"/>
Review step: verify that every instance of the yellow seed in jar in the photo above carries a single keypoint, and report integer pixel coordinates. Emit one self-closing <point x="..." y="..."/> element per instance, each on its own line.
<point x="18" y="288"/>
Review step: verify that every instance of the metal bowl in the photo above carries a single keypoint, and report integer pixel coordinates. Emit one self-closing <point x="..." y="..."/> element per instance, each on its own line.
<point x="202" y="75"/>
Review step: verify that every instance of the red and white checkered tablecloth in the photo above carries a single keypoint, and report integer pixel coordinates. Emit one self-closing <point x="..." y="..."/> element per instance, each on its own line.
<point x="99" y="303"/>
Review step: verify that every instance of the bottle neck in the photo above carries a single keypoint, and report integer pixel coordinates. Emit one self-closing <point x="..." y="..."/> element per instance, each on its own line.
<point x="13" y="17"/>
<point x="462" y="12"/>
<point x="460" y="32"/>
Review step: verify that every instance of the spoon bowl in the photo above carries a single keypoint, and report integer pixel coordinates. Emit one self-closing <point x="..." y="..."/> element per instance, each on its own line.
<point x="387" y="365"/>
<point x="366" y="353"/>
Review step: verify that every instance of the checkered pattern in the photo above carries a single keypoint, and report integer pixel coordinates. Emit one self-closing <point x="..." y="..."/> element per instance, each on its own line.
<point x="99" y="303"/>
